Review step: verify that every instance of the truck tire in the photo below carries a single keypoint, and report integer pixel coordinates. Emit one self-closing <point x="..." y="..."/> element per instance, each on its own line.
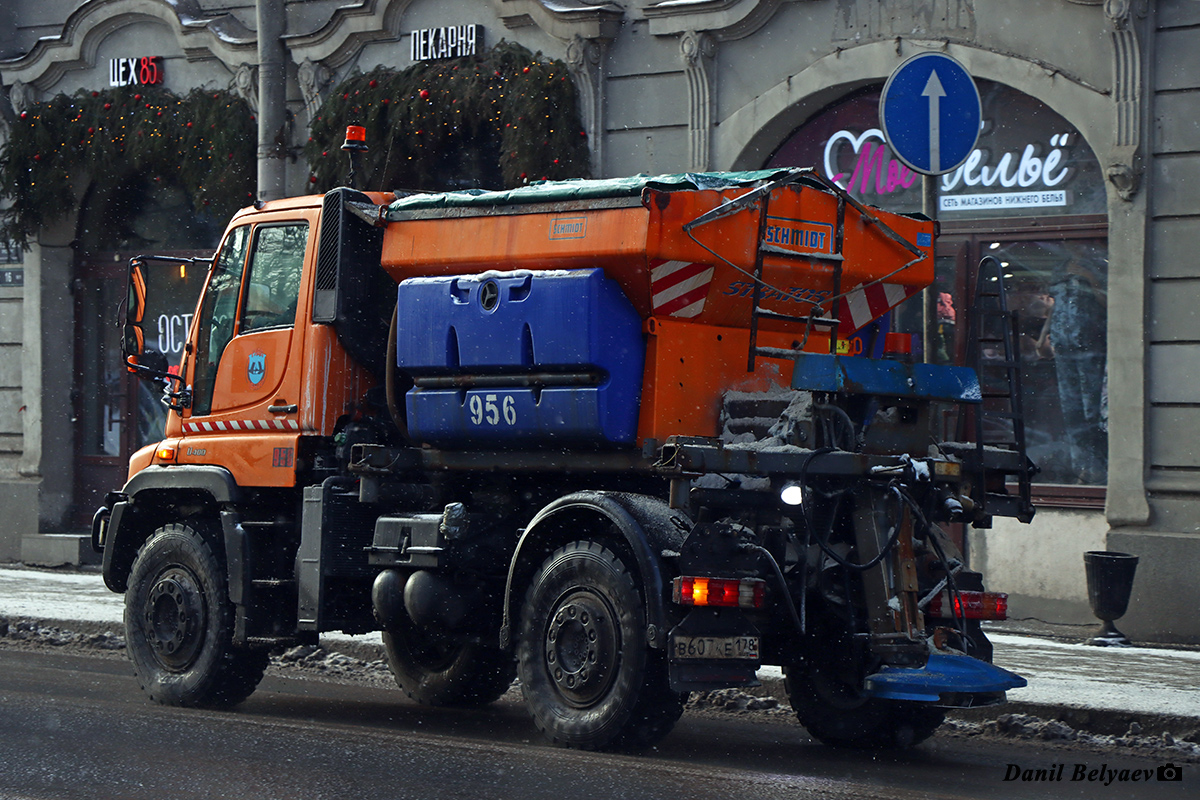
<point x="589" y="678"/>
<point x="839" y="715"/>
<point x="446" y="670"/>
<point x="179" y="625"/>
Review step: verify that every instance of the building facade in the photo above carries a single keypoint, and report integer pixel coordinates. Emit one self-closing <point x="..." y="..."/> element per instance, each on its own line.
<point x="1080" y="186"/>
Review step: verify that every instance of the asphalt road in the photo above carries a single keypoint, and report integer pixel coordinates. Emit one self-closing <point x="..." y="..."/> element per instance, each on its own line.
<point x="77" y="726"/>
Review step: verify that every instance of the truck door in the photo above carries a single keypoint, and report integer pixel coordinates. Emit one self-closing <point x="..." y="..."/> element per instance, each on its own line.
<point x="246" y="403"/>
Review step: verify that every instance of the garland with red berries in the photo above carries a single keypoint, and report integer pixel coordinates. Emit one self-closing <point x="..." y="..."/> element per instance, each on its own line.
<point x="494" y="121"/>
<point x="204" y="142"/>
<point x="499" y="120"/>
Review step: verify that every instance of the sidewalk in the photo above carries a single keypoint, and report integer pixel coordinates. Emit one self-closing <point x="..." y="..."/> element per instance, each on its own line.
<point x="1097" y="688"/>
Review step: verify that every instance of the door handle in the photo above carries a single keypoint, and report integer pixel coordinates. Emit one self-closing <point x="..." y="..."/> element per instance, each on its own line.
<point x="284" y="409"/>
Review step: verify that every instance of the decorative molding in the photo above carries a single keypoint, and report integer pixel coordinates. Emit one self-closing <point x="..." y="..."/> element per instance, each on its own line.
<point x="724" y="20"/>
<point x="75" y="47"/>
<point x="1125" y="168"/>
<point x="698" y="51"/>
<point x="245" y="85"/>
<point x="563" y="19"/>
<point x="349" y="29"/>
<point x="314" y="78"/>
<point x="22" y="96"/>
<point x="585" y="61"/>
<point x="1118" y="12"/>
<point x="857" y="22"/>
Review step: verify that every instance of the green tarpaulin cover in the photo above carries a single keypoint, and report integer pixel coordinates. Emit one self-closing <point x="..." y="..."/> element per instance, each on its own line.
<point x="579" y="189"/>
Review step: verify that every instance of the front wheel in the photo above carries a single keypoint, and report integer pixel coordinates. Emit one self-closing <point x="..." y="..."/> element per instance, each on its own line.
<point x="179" y="624"/>
<point x="589" y="678"/>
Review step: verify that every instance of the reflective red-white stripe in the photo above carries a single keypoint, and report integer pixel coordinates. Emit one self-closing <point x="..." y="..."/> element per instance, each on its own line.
<point x="224" y="426"/>
<point x="863" y="305"/>
<point x="679" y="288"/>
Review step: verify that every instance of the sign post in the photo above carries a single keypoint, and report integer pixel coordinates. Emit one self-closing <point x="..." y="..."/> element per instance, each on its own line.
<point x="930" y="114"/>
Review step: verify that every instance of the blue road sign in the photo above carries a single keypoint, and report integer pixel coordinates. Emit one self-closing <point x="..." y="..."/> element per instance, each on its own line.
<point x="930" y="113"/>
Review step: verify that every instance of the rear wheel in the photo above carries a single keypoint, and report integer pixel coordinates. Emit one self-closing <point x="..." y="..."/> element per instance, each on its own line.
<point x="839" y="714"/>
<point x="589" y="677"/>
<point x="437" y="669"/>
<point x="179" y="624"/>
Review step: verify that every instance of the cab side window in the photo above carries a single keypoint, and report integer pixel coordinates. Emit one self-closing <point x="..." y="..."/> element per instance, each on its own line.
<point x="272" y="285"/>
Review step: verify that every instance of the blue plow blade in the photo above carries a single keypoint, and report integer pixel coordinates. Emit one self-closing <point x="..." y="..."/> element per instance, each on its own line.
<point x="943" y="674"/>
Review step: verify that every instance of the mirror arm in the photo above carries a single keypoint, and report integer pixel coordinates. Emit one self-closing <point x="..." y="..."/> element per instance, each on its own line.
<point x="176" y="400"/>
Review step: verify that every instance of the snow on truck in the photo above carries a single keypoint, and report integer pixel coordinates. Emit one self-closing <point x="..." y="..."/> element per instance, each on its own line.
<point x="604" y="436"/>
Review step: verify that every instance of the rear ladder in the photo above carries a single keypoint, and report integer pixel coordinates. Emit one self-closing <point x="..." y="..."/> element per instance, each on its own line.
<point x="998" y="422"/>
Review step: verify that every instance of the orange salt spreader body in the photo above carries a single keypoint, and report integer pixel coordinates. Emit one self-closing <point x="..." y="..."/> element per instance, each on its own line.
<point x="713" y="265"/>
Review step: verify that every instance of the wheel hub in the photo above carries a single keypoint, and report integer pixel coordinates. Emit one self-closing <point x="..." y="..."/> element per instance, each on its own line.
<point x="174" y="618"/>
<point x="582" y="647"/>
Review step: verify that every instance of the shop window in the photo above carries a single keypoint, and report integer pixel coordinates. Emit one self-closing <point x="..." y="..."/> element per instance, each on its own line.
<point x="1033" y="194"/>
<point x="1059" y="287"/>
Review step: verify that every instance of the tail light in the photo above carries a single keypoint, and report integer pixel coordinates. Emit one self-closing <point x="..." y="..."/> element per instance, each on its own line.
<point x="720" y="592"/>
<point x="968" y="605"/>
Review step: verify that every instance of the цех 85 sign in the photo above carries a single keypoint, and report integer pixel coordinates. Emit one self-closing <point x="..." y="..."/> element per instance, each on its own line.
<point x="143" y="71"/>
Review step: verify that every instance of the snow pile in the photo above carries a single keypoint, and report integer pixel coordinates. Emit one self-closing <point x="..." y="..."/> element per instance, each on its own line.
<point x="1029" y="727"/>
<point x="35" y="632"/>
<point x="735" y="700"/>
<point x="318" y="658"/>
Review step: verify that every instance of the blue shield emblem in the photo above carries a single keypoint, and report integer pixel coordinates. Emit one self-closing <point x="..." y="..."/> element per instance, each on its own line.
<point x="257" y="367"/>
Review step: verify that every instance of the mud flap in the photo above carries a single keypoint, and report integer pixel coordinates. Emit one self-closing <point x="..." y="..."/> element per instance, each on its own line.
<point x="713" y="649"/>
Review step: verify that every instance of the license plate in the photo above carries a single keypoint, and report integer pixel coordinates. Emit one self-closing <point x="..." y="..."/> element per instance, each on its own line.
<point x="711" y="647"/>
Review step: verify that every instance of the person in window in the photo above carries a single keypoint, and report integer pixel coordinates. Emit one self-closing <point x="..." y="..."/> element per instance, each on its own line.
<point x="1077" y="327"/>
<point x="944" y="333"/>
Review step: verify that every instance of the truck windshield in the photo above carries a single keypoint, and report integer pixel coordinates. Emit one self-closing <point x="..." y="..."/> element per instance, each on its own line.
<point x="217" y="316"/>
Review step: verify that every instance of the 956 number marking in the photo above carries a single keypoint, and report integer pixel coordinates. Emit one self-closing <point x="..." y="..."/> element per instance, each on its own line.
<point x="492" y="409"/>
<point x="715" y="647"/>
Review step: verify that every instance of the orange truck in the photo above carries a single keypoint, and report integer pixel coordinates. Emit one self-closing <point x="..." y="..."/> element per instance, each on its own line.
<point x="611" y="437"/>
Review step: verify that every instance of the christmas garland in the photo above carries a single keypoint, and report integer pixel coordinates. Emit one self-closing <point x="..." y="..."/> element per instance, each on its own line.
<point x="498" y="120"/>
<point x="494" y="121"/>
<point x="204" y="142"/>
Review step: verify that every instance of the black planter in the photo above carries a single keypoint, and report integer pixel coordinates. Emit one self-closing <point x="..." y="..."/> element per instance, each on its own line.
<point x="1110" y="582"/>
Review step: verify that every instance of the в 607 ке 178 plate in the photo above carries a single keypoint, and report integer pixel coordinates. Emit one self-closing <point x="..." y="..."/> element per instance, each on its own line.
<point x="735" y="647"/>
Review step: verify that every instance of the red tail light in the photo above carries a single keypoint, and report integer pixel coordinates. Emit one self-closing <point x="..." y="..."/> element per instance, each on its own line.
<point x="721" y="592"/>
<point x="969" y="605"/>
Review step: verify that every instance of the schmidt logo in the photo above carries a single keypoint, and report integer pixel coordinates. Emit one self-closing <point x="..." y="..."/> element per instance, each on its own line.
<point x="568" y="228"/>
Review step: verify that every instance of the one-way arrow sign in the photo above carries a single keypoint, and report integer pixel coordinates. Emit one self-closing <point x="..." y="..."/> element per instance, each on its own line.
<point x="930" y="113"/>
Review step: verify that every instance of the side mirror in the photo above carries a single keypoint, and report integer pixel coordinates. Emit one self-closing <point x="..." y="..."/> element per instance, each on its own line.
<point x="176" y="395"/>
<point x="134" y="339"/>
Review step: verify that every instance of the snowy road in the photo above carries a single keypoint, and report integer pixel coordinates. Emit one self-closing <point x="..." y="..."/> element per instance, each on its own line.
<point x="1137" y="680"/>
<point x="76" y="727"/>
